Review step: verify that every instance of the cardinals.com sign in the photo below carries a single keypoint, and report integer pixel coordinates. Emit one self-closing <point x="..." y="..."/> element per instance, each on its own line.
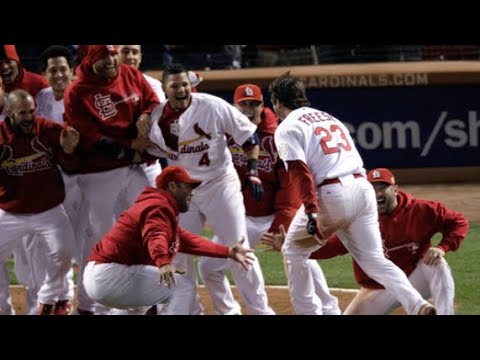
<point x="406" y="127"/>
<point x="409" y="127"/>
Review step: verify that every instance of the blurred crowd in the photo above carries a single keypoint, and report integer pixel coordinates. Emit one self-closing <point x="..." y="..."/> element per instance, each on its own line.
<point x="213" y="57"/>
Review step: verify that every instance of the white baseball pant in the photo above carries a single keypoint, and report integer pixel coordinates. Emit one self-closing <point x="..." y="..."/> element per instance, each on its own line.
<point x="136" y="288"/>
<point x="220" y="202"/>
<point x="431" y="281"/>
<point x="31" y="256"/>
<point x="53" y="227"/>
<point x="259" y="225"/>
<point x="101" y="192"/>
<point x="352" y="200"/>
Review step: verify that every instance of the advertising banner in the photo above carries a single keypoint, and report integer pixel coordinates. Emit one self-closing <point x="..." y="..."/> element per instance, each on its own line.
<point x="406" y="127"/>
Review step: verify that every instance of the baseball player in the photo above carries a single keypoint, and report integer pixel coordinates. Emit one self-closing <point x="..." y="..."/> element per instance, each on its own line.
<point x="29" y="148"/>
<point x="190" y="131"/>
<point x="15" y="76"/>
<point x="131" y="268"/>
<point x="279" y="203"/>
<point x="327" y="170"/>
<point x="56" y="63"/>
<point x="132" y="55"/>
<point x="30" y="265"/>
<point x="407" y="225"/>
<point x="103" y="104"/>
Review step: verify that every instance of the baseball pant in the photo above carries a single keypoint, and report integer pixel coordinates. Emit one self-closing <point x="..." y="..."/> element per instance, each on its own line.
<point x="31" y="256"/>
<point x="220" y="202"/>
<point x="136" y="288"/>
<point x="53" y="227"/>
<point x="101" y="192"/>
<point x="352" y="200"/>
<point x="259" y="225"/>
<point x="431" y="282"/>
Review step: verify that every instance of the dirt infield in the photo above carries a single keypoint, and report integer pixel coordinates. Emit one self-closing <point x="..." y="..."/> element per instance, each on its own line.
<point x="460" y="197"/>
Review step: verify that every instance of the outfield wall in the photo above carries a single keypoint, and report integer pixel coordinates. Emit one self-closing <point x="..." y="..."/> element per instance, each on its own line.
<point x="420" y="118"/>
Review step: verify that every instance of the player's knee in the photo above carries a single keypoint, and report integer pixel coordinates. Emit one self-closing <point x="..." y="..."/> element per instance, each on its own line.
<point x="212" y="268"/>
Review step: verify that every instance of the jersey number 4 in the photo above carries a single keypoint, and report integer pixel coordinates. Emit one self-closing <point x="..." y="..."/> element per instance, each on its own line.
<point x="204" y="160"/>
<point x="344" y="143"/>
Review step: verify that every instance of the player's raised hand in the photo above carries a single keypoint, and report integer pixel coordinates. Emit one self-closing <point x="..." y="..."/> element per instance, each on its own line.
<point x="240" y="254"/>
<point x="144" y="125"/>
<point x="274" y="240"/>
<point x="167" y="275"/>
<point x="69" y="138"/>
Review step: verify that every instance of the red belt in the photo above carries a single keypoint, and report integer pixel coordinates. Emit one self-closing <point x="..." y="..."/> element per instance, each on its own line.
<point x="336" y="180"/>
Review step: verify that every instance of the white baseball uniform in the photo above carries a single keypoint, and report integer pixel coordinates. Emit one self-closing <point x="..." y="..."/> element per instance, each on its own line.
<point x="204" y="153"/>
<point x="324" y="144"/>
<point x="153" y="170"/>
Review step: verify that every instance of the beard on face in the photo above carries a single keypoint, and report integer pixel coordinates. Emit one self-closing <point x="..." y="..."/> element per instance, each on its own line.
<point x="183" y="205"/>
<point x="23" y="127"/>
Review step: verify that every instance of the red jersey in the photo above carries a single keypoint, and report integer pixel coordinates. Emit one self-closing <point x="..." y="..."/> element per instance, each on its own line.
<point x="278" y="197"/>
<point x="99" y="108"/>
<point x="407" y="234"/>
<point x="148" y="234"/>
<point x="30" y="181"/>
<point x="28" y="81"/>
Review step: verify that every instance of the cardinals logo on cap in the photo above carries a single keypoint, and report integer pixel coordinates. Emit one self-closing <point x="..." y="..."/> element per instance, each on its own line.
<point x="248" y="91"/>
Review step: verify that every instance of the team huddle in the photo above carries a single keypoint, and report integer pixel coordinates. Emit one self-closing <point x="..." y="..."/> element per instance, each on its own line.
<point x="119" y="173"/>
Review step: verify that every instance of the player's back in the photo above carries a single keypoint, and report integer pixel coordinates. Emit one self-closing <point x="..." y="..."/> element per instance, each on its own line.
<point x="324" y="142"/>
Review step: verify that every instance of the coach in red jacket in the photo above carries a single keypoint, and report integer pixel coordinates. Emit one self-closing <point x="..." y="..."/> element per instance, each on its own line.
<point x="407" y="226"/>
<point x="131" y="266"/>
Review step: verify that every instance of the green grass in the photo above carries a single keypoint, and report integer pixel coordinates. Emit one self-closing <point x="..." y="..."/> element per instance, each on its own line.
<point x="464" y="263"/>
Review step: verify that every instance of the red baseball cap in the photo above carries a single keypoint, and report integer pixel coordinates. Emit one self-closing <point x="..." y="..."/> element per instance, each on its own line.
<point x="247" y="92"/>
<point x="381" y="175"/>
<point x="9" y="52"/>
<point x="175" y="174"/>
